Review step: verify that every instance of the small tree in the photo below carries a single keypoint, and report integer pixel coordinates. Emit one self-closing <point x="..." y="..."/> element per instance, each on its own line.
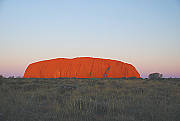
<point x="155" y="76"/>
<point x="11" y="77"/>
<point x="1" y="76"/>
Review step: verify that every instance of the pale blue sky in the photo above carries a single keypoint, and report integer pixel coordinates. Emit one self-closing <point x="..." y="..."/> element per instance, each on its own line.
<point x="145" y="33"/>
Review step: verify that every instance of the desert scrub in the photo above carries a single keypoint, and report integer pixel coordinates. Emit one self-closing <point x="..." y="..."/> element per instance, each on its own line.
<point x="89" y="100"/>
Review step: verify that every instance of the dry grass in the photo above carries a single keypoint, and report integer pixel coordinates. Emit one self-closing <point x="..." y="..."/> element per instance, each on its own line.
<point x="89" y="100"/>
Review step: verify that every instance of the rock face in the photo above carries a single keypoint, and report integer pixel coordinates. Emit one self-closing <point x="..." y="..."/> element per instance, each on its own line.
<point x="81" y="67"/>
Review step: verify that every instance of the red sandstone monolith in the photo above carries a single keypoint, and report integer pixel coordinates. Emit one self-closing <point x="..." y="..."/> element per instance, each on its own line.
<point x="81" y="67"/>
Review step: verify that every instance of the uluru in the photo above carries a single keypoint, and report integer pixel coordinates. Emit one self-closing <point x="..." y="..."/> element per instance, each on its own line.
<point x="80" y="67"/>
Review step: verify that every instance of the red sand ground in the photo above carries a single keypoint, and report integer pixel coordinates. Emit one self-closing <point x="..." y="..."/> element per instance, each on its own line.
<point x="81" y="67"/>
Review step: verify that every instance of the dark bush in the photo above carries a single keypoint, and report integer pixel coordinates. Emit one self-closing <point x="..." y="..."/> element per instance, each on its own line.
<point x="155" y="76"/>
<point x="1" y="76"/>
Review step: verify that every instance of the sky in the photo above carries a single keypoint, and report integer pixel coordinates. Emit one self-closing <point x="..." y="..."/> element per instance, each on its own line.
<point x="144" y="33"/>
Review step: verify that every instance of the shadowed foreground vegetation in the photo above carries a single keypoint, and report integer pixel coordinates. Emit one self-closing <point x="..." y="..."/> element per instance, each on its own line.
<point x="89" y="100"/>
